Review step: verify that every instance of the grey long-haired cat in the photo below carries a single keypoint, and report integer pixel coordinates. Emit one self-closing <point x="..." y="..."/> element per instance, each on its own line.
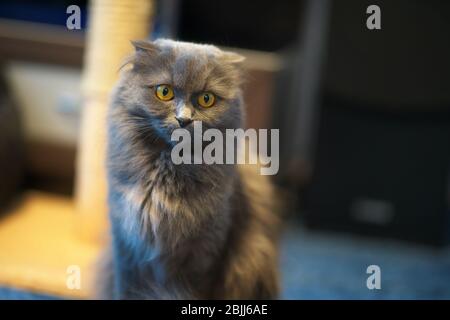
<point x="183" y="231"/>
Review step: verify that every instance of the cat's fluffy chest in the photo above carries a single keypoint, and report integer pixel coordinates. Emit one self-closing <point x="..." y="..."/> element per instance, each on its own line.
<point x="162" y="230"/>
<point x="167" y="208"/>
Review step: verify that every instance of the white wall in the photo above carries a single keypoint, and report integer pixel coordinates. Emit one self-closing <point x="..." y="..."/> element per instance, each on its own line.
<point x="49" y="100"/>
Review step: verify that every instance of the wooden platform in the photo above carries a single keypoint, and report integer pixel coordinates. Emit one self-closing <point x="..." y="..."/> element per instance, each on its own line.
<point x="40" y="247"/>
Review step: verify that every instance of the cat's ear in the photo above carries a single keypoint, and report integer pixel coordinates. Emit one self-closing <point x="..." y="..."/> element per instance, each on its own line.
<point x="142" y="49"/>
<point x="232" y="57"/>
<point x="145" y="46"/>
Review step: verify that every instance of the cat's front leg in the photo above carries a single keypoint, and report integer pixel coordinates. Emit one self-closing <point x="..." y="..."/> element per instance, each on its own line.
<point x="112" y="274"/>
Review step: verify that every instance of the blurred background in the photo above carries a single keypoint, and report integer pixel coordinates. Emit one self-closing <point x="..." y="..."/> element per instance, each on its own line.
<point x="364" y="119"/>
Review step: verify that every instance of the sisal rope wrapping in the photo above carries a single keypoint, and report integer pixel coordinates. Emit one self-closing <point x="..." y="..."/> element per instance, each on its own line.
<point x="112" y="25"/>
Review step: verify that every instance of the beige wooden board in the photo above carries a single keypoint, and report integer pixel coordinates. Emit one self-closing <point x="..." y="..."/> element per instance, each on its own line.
<point x="39" y="242"/>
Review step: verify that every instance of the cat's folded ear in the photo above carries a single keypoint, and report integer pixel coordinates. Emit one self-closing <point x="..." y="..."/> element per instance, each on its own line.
<point x="142" y="50"/>
<point x="232" y="57"/>
<point x="145" y="46"/>
<point x="231" y="63"/>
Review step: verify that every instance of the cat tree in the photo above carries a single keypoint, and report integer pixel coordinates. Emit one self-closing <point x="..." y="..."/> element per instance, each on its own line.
<point x="113" y="25"/>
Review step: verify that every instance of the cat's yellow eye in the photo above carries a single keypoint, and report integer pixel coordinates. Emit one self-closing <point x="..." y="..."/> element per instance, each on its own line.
<point x="164" y="92"/>
<point x="206" y="99"/>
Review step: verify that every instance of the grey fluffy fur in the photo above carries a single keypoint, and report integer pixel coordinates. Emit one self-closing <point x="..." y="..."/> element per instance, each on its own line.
<point x="183" y="231"/>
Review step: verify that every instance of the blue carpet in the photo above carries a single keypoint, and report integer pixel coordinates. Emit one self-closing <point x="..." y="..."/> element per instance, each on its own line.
<point x="328" y="266"/>
<point x="14" y="294"/>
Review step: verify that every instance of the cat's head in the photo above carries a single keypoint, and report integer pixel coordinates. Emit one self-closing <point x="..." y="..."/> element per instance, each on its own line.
<point x="169" y="84"/>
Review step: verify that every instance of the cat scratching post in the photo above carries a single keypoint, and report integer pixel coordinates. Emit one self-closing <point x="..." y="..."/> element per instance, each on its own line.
<point x="112" y="25"/>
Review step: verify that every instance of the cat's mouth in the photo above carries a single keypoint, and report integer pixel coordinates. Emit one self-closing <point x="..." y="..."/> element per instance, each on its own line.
<point x="172" y="132"/>
<point x="184" y="122"/>
<point x="168" y="131"/>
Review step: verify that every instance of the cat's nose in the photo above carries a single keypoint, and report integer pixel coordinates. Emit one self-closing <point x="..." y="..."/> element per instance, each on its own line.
<point x="183" y="121"/>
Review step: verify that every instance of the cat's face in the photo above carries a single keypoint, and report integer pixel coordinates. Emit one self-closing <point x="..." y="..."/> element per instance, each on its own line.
<point x="171" y="84"/>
